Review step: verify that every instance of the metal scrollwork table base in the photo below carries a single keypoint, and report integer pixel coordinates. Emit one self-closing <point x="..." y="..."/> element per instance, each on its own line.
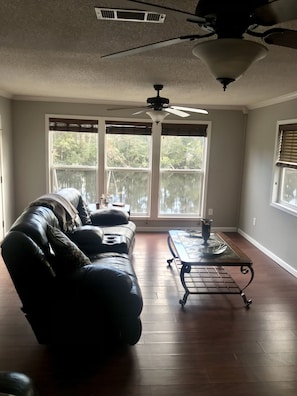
<point x="202" y="266"/>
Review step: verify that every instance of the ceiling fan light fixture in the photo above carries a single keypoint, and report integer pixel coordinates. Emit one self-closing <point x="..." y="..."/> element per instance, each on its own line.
<point x="157" y="116"/>
<point x="228" y="59"/>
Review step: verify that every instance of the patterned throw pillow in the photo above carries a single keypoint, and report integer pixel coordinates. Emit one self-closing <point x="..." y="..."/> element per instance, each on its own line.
<point x="68" y="257"/>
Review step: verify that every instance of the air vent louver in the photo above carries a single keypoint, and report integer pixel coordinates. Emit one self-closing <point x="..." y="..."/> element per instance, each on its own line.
<point x="114" y="14"/>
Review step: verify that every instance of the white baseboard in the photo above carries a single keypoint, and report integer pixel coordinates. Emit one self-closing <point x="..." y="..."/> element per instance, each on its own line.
<point x="268" y="253"/>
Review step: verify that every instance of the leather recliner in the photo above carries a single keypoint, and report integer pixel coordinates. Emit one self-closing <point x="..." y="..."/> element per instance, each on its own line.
<point x="96" y="302"/>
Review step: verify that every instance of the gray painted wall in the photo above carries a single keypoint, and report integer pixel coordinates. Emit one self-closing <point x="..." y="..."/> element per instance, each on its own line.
<point x="240" y="167"/>
<point x="275" y="231"/>
<point x="225" y="166"/>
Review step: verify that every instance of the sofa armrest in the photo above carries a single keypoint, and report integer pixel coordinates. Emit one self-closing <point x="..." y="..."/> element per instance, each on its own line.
<point x="109" y="217"/>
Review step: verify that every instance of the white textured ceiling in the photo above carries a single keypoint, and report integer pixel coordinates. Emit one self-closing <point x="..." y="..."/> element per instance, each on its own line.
<point x="53" y="49"/>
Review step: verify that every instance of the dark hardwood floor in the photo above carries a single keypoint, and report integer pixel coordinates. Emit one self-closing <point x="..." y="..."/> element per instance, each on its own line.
<point x="214" y="346"/>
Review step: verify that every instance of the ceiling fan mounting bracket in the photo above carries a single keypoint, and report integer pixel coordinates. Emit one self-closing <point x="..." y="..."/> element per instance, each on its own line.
<point x="158" y="87"/>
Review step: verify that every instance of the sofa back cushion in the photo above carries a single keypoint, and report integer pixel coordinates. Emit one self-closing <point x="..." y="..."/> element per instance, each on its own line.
<point x="74" y="197"/>
<point x="109" y="217"/>
<point x="88" y="238"/>
<point x="33" y="222"/>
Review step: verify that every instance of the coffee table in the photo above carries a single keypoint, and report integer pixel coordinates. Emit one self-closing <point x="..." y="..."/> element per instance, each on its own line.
<point x="202" y="266"/>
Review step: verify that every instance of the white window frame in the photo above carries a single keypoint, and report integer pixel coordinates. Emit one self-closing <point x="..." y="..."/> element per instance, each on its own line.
<point x="50" y="183"/>
<point x="156" y="142"/>
<point x="278" y="171"/>
<point x="147" y="171"/>
<point x="203" y="173"/>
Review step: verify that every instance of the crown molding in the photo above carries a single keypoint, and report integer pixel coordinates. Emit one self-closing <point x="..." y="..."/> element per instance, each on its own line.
<point x="54" y="99"/>
<point x="273" y="101"/>
<point x="6" y="95"/>
<point x="243" y="109"/>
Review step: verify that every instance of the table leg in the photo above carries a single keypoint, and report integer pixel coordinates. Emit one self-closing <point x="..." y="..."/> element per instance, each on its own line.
<point x="172" y="251"/>
<point x="245" y="270"/>
<point x="185" y="269"/>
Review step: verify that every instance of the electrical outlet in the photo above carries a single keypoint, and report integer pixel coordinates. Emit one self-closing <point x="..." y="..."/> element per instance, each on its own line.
<point x="254" y="221"/>
<point x="210" y="212"/>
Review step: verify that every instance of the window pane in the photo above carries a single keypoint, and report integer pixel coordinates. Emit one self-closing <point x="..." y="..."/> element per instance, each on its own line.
<point x="74" y="162"/>
<point x="82" y="180"/>
<point x="74" y="148"/>
<point x="128" y="151"/>
<point x="180" y="193"/>
<point x="181" y="175"/>
<point x="128" y="170"/>
<point x="182" y="152"/>
<point x="130" y="187"/>
<point x="289" y="186"/>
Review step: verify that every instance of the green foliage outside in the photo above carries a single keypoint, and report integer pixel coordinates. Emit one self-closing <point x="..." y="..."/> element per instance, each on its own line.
<point x="181" y="152"/>
<point x="128" y="161"/>
<point x="73" y="148"/>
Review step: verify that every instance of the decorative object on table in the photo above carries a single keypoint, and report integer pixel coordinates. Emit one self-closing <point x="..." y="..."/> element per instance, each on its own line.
<point x="105" y="200"/>
<point x="206" y="227"/>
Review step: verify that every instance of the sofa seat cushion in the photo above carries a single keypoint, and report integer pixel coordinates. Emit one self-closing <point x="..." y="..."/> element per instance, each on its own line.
<point x="122" y="264"/>
<point x="109" y="217"/>
<point x="105" y="279"/>
<point x="67" y="255"/>
<point x="118" y="261"/>
<point x="88" y="238"/>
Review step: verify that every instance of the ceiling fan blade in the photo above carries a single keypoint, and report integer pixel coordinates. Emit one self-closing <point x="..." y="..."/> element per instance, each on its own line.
<point x="176" y="112"/>
<point x="191" y="109"/>
<point x="127" y="108"/>
<point x="141" y="111"/>
<point x="159" y="44"/>
<point x="192" y="17"/>
<point x="275" y="12"/>
<point x="282" y="37"/>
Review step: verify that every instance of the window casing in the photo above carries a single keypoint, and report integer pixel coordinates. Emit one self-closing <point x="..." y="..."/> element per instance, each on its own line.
<point x="285" y="172"/>
<point x="160" y="170"/>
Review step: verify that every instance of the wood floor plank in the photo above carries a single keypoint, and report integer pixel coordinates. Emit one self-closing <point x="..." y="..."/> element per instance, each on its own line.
<point x="214" y="346"/>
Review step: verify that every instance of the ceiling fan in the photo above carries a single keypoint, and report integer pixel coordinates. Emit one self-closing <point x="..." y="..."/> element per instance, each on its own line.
<point x="230" y="55"/>
<point x="158" y="108"/>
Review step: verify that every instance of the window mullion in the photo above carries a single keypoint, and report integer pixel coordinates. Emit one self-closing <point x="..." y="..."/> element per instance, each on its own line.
<point x="155" y="174"/>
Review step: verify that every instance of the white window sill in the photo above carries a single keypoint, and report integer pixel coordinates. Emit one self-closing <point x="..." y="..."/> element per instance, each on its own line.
<point x="284" y="208"/>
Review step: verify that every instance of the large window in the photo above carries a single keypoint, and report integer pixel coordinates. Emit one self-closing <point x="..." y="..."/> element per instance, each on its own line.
<point x="160" y="170"/>
<point x="73" y="155"/>
<point x="182" y="169"/>
<point x="128" y="153"/>
<point x="285" y="178"/>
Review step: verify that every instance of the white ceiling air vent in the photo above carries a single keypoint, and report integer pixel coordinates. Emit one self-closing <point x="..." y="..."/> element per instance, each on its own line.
<point x="114" y="14"/>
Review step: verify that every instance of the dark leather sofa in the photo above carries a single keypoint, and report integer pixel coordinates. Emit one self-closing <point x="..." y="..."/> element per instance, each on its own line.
<point x="73" y="271"/>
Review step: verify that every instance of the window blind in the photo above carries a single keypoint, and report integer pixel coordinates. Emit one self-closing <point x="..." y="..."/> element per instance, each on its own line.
<point x="287" y="146"/>
<point x="73" y="125"/>
<point x="130" y="128"/>
<point x="184" y="129"/>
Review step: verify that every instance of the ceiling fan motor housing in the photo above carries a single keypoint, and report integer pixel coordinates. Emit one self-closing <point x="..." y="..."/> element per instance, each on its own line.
<point x="158" y="103"/>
